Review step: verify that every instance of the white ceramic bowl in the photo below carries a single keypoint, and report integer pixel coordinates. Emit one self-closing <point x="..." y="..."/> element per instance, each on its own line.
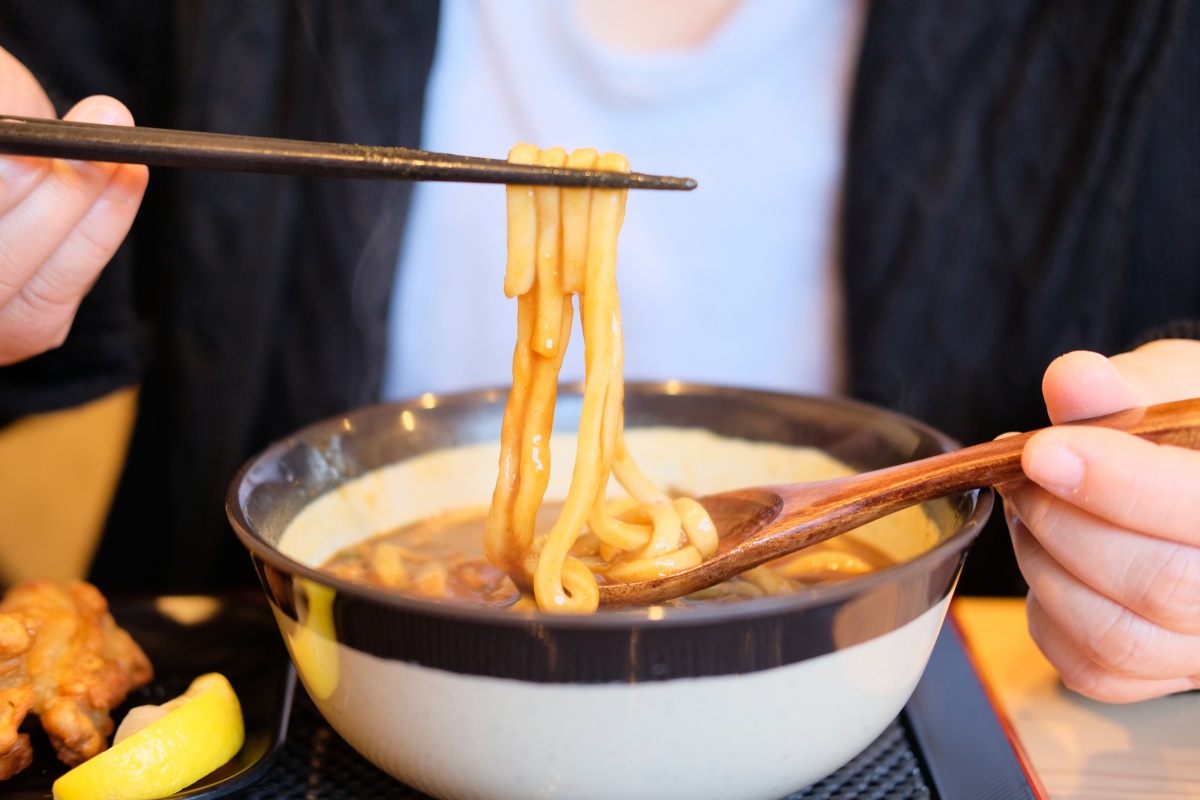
<point x="744" y="700"/>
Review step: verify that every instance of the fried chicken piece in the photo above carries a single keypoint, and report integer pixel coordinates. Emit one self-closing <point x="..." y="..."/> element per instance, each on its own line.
<point x="81" y="663"/>
<point x="16" y="695"/>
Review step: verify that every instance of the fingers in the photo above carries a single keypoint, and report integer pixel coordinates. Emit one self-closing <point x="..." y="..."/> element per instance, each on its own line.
<point x="1164" y="370"/>
<point x="20" y="95"/>
<point x="1156" y="578"/>
<point x="1119" y="515"/>
<point x="1084" y="669"/>
<point x="47" y="198"/>
<point x="40" y="314"/>
<point x="60" y="223"/>
<point x="1082" y="384"/>
<point x="1119" y="478"/>
<point x="1085" y="632"/>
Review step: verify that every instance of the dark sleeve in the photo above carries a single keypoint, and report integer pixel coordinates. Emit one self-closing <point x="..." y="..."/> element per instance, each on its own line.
<point x="1181" y="329"/>
<point x="1022" y="180"/>
<point x="1163" y="290"/>
<point x="77" y="49"/>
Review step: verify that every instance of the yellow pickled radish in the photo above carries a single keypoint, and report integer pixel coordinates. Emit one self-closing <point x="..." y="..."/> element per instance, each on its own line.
<point x="199" y="731"/>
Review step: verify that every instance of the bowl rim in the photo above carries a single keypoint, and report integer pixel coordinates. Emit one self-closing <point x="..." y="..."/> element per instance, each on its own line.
<point x="816" y="596"/>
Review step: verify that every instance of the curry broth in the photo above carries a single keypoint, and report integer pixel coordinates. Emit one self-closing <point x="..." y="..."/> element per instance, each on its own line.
<point x="442" y="558"/>
<point x="416" y="526"/>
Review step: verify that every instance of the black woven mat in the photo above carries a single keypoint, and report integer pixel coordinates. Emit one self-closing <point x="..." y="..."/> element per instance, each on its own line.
<point x="317" y="764"/>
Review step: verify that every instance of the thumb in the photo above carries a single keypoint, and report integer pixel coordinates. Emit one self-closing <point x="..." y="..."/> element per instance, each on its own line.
<point x="1083" y="384"/>
<point x="101" y="109"/>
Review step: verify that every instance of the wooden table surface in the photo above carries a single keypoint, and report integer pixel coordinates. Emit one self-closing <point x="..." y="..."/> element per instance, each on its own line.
<point x="1080" y="749"/>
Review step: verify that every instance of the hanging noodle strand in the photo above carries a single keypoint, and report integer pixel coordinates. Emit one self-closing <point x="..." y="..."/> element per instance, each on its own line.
<point x="563" y="243"/>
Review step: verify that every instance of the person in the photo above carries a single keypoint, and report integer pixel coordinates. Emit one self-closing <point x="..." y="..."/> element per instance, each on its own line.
<point x="981" y="236"/>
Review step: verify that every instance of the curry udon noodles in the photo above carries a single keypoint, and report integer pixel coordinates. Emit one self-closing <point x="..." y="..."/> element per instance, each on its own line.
<point x="562" y="244"/>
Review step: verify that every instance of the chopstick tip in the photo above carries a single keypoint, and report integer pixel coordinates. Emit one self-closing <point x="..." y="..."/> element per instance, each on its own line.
<point x="640" y="181"/>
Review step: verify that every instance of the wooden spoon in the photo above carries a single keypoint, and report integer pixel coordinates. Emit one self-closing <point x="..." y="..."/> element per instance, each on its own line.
<point x="762" y="523"/>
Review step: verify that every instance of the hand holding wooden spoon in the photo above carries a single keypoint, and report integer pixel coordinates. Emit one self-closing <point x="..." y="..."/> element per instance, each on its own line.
<point x="1106" y="529"/>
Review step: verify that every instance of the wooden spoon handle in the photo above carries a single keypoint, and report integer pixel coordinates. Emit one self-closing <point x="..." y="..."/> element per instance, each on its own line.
<point x="1176" y="423"/>
<point x="999" y="461"/>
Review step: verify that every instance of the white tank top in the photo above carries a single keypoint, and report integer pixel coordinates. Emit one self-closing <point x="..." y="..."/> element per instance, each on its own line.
<point x="734" y="283"/>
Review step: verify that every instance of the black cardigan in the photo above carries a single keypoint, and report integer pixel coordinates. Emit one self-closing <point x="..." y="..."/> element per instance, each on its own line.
<point x="1023" y="179"/>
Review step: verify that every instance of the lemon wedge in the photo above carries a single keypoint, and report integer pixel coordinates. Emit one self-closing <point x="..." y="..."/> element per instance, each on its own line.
<point x="199" y="731"/>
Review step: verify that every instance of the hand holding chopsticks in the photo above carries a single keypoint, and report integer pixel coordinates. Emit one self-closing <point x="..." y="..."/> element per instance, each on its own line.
<point x="60" y="223"/>
<point x="159" y="147"/>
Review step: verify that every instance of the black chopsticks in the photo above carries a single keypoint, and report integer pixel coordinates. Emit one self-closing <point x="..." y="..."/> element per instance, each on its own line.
<point x="158" y="147"/>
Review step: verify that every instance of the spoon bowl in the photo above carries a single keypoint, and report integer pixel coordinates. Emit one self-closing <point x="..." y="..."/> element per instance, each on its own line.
<point x="759" y="524"/>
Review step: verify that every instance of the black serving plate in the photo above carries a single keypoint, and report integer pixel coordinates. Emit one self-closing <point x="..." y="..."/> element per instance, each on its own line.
<point x="186" y="637"/>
